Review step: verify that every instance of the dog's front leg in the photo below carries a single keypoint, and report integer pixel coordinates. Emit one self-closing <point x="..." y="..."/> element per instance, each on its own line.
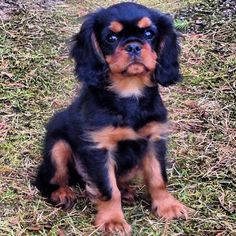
<point x="102" y="184"/>
<point x="110" y="217"/>
<point x="98" y="169"/>
<point x="163" y="203"/>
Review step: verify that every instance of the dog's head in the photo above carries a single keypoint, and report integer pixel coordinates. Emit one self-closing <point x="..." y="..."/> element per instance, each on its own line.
<point x="127" y="41"/>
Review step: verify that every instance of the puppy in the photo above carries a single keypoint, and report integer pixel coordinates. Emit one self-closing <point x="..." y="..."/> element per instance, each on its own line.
<point x="116" y="126"/>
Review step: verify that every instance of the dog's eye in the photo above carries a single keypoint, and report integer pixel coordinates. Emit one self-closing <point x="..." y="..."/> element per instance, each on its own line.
<point x="148" y="34"/>
<point x="111" y="38"/>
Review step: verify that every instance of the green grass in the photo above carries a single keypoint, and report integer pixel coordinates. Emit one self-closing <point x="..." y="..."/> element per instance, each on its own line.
<point x="181" y="25"/>
<point x="36" y="79"/>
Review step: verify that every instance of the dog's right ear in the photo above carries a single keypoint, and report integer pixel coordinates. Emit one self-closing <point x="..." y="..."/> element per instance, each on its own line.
<point x="90" y="65"/>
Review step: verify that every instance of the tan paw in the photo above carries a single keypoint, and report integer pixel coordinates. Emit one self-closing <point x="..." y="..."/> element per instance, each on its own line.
<point x="114" y="225"/>
<point x="169" y="208"/>
<point x="64" y="197"/>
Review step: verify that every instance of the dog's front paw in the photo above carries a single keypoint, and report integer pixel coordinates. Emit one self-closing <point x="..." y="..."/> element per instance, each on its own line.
<point x="113" y="224"/>
<point x="169" y="208"/>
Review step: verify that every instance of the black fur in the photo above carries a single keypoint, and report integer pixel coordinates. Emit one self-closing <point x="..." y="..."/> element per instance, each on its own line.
<point x="167" y="70"/>
<point x="97" y="107"/>
<point x="90" y="67"/>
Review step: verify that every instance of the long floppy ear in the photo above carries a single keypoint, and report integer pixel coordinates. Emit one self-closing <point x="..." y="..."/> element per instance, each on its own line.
<point x="90" y="65"/>
<point x="167" y="70"/>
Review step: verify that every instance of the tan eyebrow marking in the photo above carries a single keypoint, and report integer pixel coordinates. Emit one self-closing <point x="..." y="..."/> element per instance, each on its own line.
<point x="116" y="26"/>
<point x="144" y="22"/>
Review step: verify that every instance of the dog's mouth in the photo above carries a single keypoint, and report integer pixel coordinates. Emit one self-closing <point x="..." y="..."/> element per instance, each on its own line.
<point x="135" y="68"/>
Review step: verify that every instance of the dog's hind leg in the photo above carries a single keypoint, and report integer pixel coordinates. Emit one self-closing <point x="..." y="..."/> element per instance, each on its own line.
<point x="54" y="175"/>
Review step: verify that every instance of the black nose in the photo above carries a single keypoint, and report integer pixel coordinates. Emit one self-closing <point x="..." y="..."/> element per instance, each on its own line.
<point x="133" y="48"/>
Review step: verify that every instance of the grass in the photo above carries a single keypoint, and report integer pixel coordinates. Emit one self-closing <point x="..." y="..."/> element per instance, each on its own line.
<point x="36" y="79"/>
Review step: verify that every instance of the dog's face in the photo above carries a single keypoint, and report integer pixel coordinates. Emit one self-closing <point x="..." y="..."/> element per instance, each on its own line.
<point x="127" y="40"/>
<point x="128" y="45"/>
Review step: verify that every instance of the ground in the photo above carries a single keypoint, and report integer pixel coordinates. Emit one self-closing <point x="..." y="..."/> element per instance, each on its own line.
<point x="36" y="79"/>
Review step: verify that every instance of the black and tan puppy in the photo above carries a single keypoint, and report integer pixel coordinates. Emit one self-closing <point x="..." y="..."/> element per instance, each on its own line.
<point x="117" y="124"/>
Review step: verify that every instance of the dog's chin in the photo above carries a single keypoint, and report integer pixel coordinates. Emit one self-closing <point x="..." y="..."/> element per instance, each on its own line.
<point x="135" y="69"/>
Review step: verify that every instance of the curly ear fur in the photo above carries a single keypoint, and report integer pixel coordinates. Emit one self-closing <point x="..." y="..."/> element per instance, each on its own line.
<point x="167" y="70"/>
<point x="90" y="66"/>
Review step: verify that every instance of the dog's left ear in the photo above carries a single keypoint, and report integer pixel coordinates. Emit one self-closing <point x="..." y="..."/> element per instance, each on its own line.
<point x="168" y="50"/>
<point x="89" y="61"/>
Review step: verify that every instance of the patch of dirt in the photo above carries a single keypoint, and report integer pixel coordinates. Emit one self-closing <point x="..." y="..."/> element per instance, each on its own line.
<point x="8" y="8"/>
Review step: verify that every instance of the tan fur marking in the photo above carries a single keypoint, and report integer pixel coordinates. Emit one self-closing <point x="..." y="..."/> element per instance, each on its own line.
<point x="61" y="154"/>
<point x="154" y="130"/>
<point x="144" y="22"/>
<point x="116" y="26"/>
<point x="109" y="137"/>
<point x="110" y="216"/>
<point x="163" y="203"/>
<point x="130" y="85"/>
<point x="118" y="61"/>
<point x="152" y="174"/>
<point x="135" y="69"/>
<point x="149" y="57"/>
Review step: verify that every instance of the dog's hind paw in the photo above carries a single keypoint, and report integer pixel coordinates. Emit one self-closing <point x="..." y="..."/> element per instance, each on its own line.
<point x="64" y="197"/>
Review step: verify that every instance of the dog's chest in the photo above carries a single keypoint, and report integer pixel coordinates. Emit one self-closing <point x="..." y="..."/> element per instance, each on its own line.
<point x="134" y="125"/>
<point x="136" y="113"/>
<point x="130" y="119"/>
<point x="131" y="146"/>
